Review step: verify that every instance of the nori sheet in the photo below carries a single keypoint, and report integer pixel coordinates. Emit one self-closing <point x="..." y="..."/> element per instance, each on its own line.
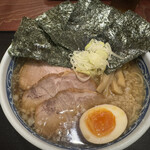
<point x="128" y="33"/>
<point x="32" y="42"/>
<point x="54" y="22"/>
<point x="68" y="27"/>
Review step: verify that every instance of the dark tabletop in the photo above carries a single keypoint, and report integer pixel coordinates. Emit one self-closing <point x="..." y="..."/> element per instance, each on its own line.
<point x="10" y="138"/>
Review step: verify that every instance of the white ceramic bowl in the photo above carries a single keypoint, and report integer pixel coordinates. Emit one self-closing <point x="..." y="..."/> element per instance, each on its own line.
<point x="137" y="130"/>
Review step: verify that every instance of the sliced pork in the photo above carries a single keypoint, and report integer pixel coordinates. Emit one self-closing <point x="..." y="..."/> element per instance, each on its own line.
<point x="56" y="115"/>
<point x="32" y="71"/>
<point x="50" y="85"/>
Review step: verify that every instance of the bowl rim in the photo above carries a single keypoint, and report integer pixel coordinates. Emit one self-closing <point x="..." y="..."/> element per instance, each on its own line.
<point x="130" y="139"/>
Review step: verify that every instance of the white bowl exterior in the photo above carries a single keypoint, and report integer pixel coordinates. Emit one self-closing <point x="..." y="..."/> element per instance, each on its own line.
<point x="131" y="138"/>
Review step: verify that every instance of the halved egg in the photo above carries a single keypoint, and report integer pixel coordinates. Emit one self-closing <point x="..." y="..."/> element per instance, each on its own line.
<point x="103" y="123"/>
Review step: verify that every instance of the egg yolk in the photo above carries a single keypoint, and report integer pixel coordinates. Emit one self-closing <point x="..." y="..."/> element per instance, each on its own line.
<point x="101" y="122"/>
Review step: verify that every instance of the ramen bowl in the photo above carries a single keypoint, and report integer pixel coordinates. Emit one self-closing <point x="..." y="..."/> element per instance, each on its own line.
<point x="133" y="134"/>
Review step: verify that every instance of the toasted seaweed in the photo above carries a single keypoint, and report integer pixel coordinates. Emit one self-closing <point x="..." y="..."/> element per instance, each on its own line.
<point x="56" y="18"/>
<point x="32" y="42"/>
<point x="68" y="27"/>
<point x="54" y="21"/>
<point x="128" y="33"/>
<point x="131" y="35"/>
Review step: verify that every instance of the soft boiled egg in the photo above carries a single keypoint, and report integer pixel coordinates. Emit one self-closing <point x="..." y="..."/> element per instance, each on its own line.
<point x="103" y="123"/>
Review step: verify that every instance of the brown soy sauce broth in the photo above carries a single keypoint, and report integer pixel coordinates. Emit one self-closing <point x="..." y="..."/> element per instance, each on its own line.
<point x="69" y="134"/>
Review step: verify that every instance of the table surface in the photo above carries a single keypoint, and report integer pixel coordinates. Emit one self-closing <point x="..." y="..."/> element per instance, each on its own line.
<point x="11" y="12"/>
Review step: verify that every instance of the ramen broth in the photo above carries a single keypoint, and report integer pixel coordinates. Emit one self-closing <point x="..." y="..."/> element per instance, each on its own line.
<point x="130" y="101"/>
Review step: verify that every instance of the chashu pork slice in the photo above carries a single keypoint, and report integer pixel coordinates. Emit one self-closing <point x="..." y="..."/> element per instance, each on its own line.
<point x="57" y="114"/>
<point x="50" y="85"/>
<point x="32" y="71"/>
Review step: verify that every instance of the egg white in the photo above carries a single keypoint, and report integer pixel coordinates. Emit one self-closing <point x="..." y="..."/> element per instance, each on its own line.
<point x="121" y="124"/>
